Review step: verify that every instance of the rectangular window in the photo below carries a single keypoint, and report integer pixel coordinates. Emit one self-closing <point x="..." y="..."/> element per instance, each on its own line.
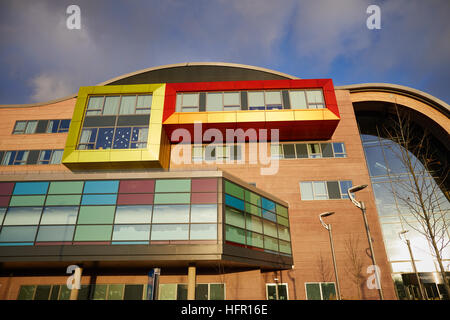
<point x="25" y="127"/>
<point x="324" y="190"/>
<point x="320" y="291"/>
<point x="277" y="291"/>
<point x="308" y="150"/>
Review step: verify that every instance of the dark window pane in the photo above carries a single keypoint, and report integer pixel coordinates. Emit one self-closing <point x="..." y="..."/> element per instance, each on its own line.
<point x="83" y="292"/>
<point x="99" y="121"/>
<point x="182" y="292"/>
<point x="217" y="291"/>
<point x="122" y="138"/>
<point x="53" y="126"/>
<point x="26" y="292"/>
<point x="105" y="137"/>
<point x="201" y="292"/>
<point x="133" y="120"/>
<point x="288" y="151"/>
<point x="302" y="150"/>
<point x="64" y="125"/>
<point x="271" y="292"/>
<point x="19" y="128"/>
<point x="282" y="292"/>
<point x="42" y="293"/>
<point x="42" y="126"/>
<point x="133" y="292"/>
<point x="328" y="291"/>
<point x="313" y="291"/>
<point x="55" y="292"/>
<point x="327" y="150"/>
<point x="333" y="190"/>
<point x="33" y="157"/>
<point x="100" y="291"/>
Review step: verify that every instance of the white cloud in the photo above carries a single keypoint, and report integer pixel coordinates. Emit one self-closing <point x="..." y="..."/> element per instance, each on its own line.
<point x="47" y="87"/>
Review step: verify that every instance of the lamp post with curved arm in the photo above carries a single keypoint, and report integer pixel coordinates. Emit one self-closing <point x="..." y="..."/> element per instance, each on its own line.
<point x="328" y="227"/>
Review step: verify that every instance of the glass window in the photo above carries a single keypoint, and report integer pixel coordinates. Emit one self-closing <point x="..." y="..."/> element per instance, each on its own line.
<point x="88" y="138"/>
<point x="234" y="190"/>
<point x="18" y="234"/>
<point x="8" y="158"/>
<point x="139" y="138"/>
<point x="65" y="187"/>
<point x="21" y="157"/>
<point x="268" y="204"/>
<point x="283" y="233"/>
<point x="269" y="215"/>
<point x="306" y="191"/>
<point x="173" y="185"/>
<point x="314" y="150"/>
<point x="234" y="234"/>
<point x="234" y="202"/>
<point x="255" y="239"/>
<point x="42" y="292"/>
<point x="270" y="229"/>
<point x="327" y="150"/>
<point x="314" y="96"/>
<point x="45" y="156"/>
<point x="302" y="150"/>
<point x="64" y="125"/>
<point x="170" y="213"/>
<point x="20" y="126"/>
<point x="167" y="291"/>
<point x="273" y="100"/>
<point x="133" y="214"/>
<point x="59" y="215"/>
<point x="110" y="186"/>
<point x="96" y="214"/>
<point x="2" y="215"/>
<point x="339" y="150"/>
<point x="127" y="105"/>
<point x="105" y="138"/>
<point x="285" y="247"/>
<point x="217" y="291"/>
<point x="333" y="190"/>
<point x="256" y="100"/>
<point x="203" y="231"/>
<point x="115" y="291"/>
<point x="93" y="233"/>
<point x="313" y="291"/>
<point x="232" y="100"/>
<point x="320" y="190"/>
<point x="94" y="199"/>
<point x="384" y="199"/>
<point x="166" y="198"/>
<point x="23" y="216"/>
<point x="190" y="99"/>
<point x="100" y="291"/>
<point x="61" y="200"/>
<point x="298" y="99"/>
<point x="26" y="292"/>
<point x="254" y="224"/>
<point x="289" y="151"/>
<point x="143" y="104"/>
<point x="234" y="217"/>
<point x="133" y="292"/>
<point x="31" y="127"/>
<point x="111" y="105"/>
<point x="55" y="233"/>
<point x="214" y="101"/>
<point x="26" y="201"/>
<point x="204" y="213"/>
<point x="131" y="232"/>
<point x="170" y="232"/>
<point x="95" y="105"/>
<point x="201" y="291"/>
<point x="270" y="243"/>
<point x="53" y="126"/>
<point x="122" y="138"/>
<point x="375" y="161"/>
<point x="345" y="185"/>
<point x="56" y="156"/>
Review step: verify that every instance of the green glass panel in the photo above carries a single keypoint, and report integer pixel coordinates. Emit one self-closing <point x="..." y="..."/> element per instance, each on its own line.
<point x="133" y="292"/>
<point x="234" y="190"/>
<point x="255" y="239"/>
<point x="234" y="217"/>
<point x="282" y="211"/>
<point x="234" y="234"/>
<point x="283" y="233"/>
<point x="68" y="200"/>
<point x="173" y="185"/>
<point x="65" y="187"/>
<point x="216" y="291"/>
<point x="167" y="291"/>
<point x="42" y="292"/>
<point x="64" y="293"/>
<point x="100" y="291"/>
<point x="166" y="198"/>
<point x="313" y="291"/>
<point x="27" y="201"/>
<point x="253" y="209"/>
<point x="201" y="291"/>
<point x="55" y="292"/>
<point x="182" y="292"/>
<point x="252" y="198"/>
<point x="270" y="229"/>
<point x="93" y="233"/>
<point x="26" y="292"/>
<point x="115" y="292"/>
<point x="96" y="215"/>
<point x="270" y="243"/>
<point x="283" y="221"/>
<point x="285" y="247"/>
<point x="253" y="223"/>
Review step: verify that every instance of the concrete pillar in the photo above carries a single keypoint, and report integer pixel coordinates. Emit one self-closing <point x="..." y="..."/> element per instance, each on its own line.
<point x="76" y="280"/>
<point x="191" y="281"/>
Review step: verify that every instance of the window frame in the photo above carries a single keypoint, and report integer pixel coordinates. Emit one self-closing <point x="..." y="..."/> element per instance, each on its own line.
<point x="285" y="284"/>
<point x="320" y="288"/>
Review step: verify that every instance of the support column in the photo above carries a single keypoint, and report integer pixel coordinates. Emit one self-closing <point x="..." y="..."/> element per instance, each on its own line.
<point x="76" y="281"/>
<point x="191" y="281"/>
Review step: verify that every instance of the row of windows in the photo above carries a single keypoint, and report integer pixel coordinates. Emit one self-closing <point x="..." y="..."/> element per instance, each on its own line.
<point x="203" y="291"/>
<point x="308" y="150"/>
<point x="86" y="292"/>
<point x="119" y="104"/>
<point x="22" y="157"/>
<point x="250" y="100"/>
<point x="113" y="138"/>
<point x="41" y="126"/>
<point x="140" y="186"/>
<point x="324" y="190"/>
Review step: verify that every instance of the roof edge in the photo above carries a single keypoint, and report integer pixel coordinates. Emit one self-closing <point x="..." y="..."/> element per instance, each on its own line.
<point x="427" y="98"/>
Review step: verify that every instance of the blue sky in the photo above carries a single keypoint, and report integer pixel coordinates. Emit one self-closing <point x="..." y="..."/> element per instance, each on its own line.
<point x="41" y="59"/>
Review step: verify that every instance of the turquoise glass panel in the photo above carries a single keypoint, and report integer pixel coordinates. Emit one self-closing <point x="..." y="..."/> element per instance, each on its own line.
<point x="268" y="204"/>
<point x="234" y="202"/>
<point x="30" y="188"/>
<point x="95" y="199"/>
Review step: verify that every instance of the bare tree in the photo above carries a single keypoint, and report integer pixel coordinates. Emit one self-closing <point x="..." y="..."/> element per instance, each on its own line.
<point x="324" y="269"/>
<point x="421" y="189"/>
<point x="354" y="266"/>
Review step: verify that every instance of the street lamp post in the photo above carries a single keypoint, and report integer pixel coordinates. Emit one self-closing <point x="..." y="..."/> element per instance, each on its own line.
<point x="361" y="205"/>
<point x="328" y="227"/>
<point x="422" y="295"/>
